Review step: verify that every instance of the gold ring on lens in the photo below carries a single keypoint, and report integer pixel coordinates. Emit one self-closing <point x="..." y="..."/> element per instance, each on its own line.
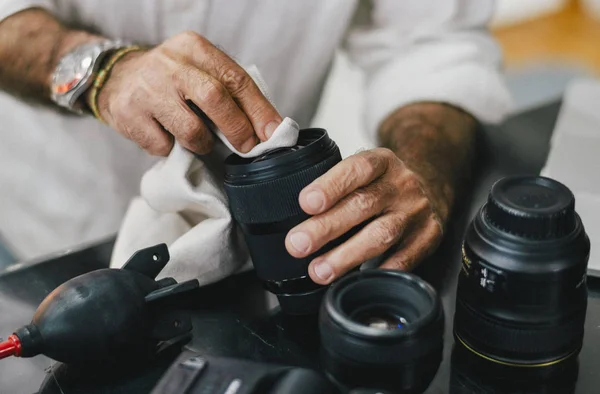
<point x="547" y="364"/>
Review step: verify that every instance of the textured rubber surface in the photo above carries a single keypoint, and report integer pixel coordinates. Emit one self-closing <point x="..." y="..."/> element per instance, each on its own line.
<point x="275" y="200"/>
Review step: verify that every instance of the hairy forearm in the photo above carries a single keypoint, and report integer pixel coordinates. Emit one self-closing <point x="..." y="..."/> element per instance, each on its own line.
<point x="31" y="44"/>
<point x="437" y="142"/>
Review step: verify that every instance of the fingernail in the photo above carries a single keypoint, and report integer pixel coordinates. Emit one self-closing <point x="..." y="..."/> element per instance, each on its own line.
<point x="270" y="128"/>
<point x="248" y="145"/>
<point x="315" y="200"/>
<point x="300" y="242"/>
<point x="323" y="270"/>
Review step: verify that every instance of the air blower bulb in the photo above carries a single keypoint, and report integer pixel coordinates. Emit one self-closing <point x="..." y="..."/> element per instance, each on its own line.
<point x="107" y="314"/>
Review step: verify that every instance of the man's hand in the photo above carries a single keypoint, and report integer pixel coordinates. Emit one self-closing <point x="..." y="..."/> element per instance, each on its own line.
<point x="369" y="184"/>
<point x="145" y="97"/>
<point x="408" y="192"/>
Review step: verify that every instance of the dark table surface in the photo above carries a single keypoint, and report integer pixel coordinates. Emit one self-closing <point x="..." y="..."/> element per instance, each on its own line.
<point x="236" y="318"/>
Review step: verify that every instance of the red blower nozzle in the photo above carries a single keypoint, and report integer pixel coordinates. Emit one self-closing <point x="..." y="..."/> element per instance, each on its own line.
<point x="10" y="347"/>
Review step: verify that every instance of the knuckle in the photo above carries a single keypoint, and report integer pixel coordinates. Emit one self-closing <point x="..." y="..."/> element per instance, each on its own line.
<point x="321" y="228"/>
<point x="422" y="205"/>
<point x="182" y="74"/>
<point x="412" y="181"/>
<point x="364" y="166"/>
<point x="190" y="127"/>
<point x="213" y="92"/>
<point x="386" y="153"/>
<point x="189" y="36"/>
<point x="384" y="233"/>
<point x="235" y="80"/>
<point x="189" y="42"/>
<point x="370" y="164"/>
<point x="384" y="191"/>
<point x="363" y="200"/>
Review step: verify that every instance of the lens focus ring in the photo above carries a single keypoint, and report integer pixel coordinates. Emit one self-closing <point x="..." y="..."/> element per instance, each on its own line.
<point x="274" y="200"/>
<point x="549" y="339"/>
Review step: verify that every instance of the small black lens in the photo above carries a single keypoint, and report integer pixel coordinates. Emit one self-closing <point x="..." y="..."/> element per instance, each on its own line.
<point x="263" y="198"/>
<point x="383" y="330"/>
<point x="522" y="294"/>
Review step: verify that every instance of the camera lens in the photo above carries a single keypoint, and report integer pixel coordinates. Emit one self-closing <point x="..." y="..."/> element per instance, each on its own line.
<point x="263" y="198"/>
<point x="383" y="330"/>
<point x="522" y="293"/>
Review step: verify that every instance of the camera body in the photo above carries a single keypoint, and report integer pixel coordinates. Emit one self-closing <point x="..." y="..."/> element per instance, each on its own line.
<point x="192" y="373"/>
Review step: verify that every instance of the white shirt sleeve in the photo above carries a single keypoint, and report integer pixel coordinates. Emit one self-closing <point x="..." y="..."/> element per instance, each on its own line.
<point x="10" y="7"/>
<point x="428" y="50"/>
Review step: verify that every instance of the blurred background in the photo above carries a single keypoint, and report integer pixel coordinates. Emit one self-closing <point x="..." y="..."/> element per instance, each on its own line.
<point x="546" y="44"/>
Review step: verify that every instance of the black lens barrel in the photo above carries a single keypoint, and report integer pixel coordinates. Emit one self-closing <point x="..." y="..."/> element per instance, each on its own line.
<point x="266" y="192"/>
<point x="263" y="198"/>
<point x="522" y="295"/>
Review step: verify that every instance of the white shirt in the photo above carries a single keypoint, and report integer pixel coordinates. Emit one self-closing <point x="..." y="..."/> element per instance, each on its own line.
<point x="66" y="179"/>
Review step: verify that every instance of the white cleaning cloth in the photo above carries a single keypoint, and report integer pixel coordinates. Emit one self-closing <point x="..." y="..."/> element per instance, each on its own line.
<point x="183" y="204"/>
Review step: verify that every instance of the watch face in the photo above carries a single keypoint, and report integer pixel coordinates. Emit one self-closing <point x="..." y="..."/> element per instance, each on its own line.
<point x="71" y="71"/>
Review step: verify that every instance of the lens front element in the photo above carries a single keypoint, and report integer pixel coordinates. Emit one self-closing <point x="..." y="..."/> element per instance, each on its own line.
<point x="381" y="320"/>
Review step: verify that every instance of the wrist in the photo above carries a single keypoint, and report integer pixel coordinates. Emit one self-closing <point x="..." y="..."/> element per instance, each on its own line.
<point x="96" y="96"/>
<point x="436" y="142"/>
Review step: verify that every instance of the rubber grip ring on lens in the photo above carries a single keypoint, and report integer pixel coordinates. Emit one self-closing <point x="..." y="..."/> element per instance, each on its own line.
<point x="274" y="200"/>
<point x="525" y="340"/>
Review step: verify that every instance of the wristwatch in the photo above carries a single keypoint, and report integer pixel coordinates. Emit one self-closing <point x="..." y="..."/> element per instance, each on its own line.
<point x="76" y="71"/>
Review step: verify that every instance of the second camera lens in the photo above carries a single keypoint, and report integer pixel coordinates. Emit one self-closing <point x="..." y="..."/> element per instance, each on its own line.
<point x="522" y="295"/>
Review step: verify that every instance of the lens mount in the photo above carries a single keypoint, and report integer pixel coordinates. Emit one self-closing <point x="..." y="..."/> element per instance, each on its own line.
<point x="377" y="292"/>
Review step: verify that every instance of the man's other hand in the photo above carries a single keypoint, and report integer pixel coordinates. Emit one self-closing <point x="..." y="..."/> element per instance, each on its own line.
<point x="371" y="184"/>
<point x="144" y="98"/>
